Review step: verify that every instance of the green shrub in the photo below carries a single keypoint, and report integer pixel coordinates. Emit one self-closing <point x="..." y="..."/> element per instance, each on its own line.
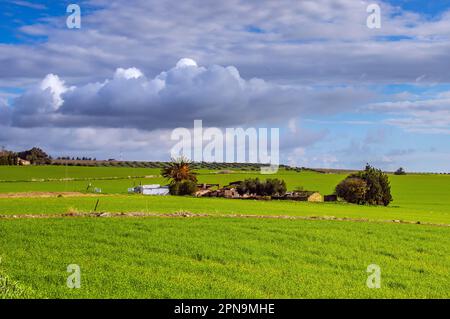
<point x="275" y="186"/>
<point x="400" y="171"/>
<point x="352" y="190"/>
<point x="269" y="187"/>
<point x="377" y="188"/>
<point x="36" y="156"/>
<point x="182" y="188"/>
<point x="8" y="158"/>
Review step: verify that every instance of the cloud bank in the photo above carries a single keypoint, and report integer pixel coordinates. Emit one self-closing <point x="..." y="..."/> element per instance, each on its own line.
<point x="314" y="62"/>
<point x="216" y="94"/>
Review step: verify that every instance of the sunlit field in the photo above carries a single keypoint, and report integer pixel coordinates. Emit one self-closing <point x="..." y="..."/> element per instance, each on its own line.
<point x="231" y="251"/>
<point x="223" y="258"/>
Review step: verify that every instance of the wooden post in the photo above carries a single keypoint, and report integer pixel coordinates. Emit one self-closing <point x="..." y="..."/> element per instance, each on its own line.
<point x="96" y="204"/>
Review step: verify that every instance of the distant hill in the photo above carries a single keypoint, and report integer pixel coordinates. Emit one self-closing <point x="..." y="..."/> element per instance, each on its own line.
<point x="142" y="164"/>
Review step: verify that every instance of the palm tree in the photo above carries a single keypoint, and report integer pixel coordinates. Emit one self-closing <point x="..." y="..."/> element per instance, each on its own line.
<point x="179" y="170"/>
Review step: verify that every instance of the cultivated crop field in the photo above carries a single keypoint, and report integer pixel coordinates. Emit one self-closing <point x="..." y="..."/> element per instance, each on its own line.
<point x="227" y="248"/>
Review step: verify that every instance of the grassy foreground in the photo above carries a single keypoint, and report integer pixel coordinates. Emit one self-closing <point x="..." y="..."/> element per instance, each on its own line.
<point x="223" y="258"/>
<point x="217" y="257"/>
<point x="214" y="206"/>
<point x="426" y="192"/>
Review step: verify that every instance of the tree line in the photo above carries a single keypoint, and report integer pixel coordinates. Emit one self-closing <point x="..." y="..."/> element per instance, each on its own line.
<point x="35" y="156"/>
<point x="368" y="187"/>
<point x="68" y="158"/>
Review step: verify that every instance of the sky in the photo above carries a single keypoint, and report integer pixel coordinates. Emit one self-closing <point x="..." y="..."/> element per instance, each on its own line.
<point x="341" y="93"/>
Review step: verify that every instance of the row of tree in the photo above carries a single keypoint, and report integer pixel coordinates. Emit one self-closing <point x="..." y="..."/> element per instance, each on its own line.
<point x="269" y="187"/>
<point x="8" y="158"/>
<point x="369" y="187"/>
<point x="68" y="158"/>
<point x="183" y="181"/>
<point x="35" y="156"/>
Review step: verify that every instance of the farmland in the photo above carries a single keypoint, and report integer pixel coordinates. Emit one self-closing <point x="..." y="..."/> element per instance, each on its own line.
<point x="218" y="256"/>
<point x="224" y="258"/>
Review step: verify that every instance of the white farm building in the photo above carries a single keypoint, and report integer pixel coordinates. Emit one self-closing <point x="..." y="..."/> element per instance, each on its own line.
<point x="154" y="189"/>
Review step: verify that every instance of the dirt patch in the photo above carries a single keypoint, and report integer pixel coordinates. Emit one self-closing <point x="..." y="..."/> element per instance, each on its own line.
<point x="184" y="214"/>
<point x="46" y="194"/>
<point x="105" y="214"/>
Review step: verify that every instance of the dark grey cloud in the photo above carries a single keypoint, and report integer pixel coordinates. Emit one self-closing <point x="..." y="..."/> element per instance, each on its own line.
<point x="215" y="94"/>
<point x="5" y="112"/>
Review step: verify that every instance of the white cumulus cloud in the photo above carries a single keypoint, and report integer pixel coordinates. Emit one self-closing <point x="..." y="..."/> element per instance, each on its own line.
<point x="131" y="73"/>
<point x="56" y="87"/>
<point x="216" y="94"/>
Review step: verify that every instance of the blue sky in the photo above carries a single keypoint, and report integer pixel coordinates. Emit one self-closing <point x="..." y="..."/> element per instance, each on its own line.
<point x="431" y="9"/>
<point x="341" y="93"/>
<point x="17" y="14"/>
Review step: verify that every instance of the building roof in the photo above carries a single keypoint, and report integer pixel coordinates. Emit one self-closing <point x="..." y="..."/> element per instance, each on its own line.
<point x="152" y="186"/>
<point x="303" y="193"/>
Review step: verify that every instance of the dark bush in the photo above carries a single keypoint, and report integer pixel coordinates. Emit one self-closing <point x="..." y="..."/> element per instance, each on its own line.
<point x="275" y="187"/>
<point x="182" y="188"/>
<point x="352" y="189"/>
<point x="377" y="189"/>
<point x="8" y="158"/>
<point x="269" y="187"/>
<point x="174" y="188"/>
<point x="36" y="156"/>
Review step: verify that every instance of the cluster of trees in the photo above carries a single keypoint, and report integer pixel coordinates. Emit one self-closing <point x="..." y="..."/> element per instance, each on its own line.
<point x="296" y="169"/>
<point x="8" y="158"/>
<point x="400" y="171"/>
<point x="183" y="181"/>
<point x="370" y="187"/>
<point x="183" y="188"/>
<point x="269" y="187"/>
<point x="35" y="156"/>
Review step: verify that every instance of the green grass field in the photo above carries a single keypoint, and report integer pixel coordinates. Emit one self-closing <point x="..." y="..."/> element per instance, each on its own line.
<point x="28" y="173"/>
<point x="219" y="257"/>
<point x="224" y="258"/>
<point x="215" y="206"/>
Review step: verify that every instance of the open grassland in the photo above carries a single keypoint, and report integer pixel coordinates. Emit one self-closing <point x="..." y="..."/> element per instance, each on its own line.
<point x="424" y="198"/>
<point x="78" y="178"/>
<point x="223" y="258"/>
<point x="215" y="206"/>
<point x="218" y="257"/>
<point x="111" y="186"/>
<point x="28" y="173"/>
<point x="429" y="192"/>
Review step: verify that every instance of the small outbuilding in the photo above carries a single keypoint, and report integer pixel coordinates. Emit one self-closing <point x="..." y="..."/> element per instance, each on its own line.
<point x="154" y="189"/>
<point x="22" y="162"/>
<point x="230" y="192"/>
<point x="205" y="189"/>
<point x="305" y="196"/>
<point x="226" y="192"/>
<point x="330" y="198"/>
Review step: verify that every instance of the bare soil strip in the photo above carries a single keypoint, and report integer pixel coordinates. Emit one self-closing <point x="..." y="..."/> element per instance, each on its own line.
<point x="189" y="214"/>
<point x="69" y="179"/>
<point x="46" y="194"/>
